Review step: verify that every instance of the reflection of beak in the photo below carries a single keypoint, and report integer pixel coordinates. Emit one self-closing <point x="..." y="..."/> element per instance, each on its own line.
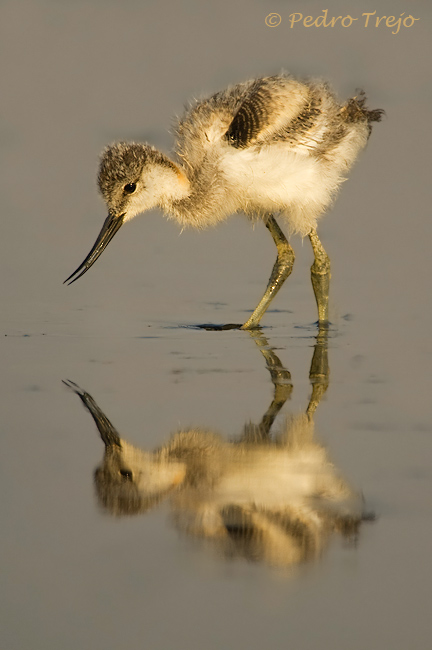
<point x="109" y="435"/>
<point x="109" y="229"/>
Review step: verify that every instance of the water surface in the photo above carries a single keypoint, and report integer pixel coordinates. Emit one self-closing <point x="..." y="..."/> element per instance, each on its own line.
<point x="77" y="78"/>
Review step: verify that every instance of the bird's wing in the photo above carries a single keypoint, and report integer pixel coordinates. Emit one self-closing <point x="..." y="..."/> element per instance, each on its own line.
<point x="268" y="109"/>
<point x="205" y="123"/>
<point x="254" y="112"/>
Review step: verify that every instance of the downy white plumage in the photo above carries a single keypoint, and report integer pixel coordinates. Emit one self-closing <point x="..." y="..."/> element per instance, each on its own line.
<point x="273" y="144"/>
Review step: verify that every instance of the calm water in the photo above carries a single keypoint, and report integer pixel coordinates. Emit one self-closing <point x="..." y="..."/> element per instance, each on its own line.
<point x="73" y="576"/>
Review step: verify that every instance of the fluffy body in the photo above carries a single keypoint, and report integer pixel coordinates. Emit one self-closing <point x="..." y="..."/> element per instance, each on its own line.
<point x="277" y="501"/>
<point x="269" y="145"/>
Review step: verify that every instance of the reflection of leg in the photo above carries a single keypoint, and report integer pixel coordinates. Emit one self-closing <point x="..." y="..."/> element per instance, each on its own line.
<point x="281" y="270"/>
<point x="320" y="275"/>
<point x="319" y="371"/>
<point x="281" y="379"/>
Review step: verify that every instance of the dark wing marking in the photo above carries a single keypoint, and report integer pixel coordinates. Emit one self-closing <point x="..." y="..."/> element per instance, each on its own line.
<point x="253" y="116"/>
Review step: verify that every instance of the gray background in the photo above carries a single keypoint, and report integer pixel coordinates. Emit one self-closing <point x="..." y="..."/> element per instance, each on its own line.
<point x="76" y="76"/>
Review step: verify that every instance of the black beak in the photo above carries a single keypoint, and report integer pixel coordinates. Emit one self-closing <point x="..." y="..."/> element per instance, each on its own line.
<point x="109" y="435"/>
<point x="109" y="229"/>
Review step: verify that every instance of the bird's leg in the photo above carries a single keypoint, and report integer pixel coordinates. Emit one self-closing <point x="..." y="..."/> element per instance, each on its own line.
<point x="320" y="276"/>
<point x="281" y="270"/>
<point x="281" y="379"/>
<point x="319" y="371"/>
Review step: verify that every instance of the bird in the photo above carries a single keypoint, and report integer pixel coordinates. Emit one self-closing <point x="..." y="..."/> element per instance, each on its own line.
<point x="270" y="145"/>
<point x="266" y="496"/>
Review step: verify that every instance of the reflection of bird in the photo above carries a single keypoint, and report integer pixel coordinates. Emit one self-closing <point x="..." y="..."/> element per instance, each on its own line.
<point x="273" y="498"/>
<point x="268" y="145"/>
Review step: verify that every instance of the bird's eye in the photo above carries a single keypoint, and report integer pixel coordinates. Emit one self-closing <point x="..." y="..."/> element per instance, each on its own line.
<point x="129" y="188"/>
<point x="126" y="474"/>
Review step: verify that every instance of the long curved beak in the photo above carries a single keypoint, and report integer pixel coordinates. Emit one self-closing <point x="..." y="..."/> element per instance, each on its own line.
<point x="111" y="225"/>
<point x="108" y="433"/>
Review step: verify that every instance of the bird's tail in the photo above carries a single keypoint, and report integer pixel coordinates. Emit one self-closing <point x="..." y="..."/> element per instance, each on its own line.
<point x="355" y="110"/>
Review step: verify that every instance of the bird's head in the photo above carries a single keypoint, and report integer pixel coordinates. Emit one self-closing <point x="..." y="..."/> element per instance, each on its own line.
<point x="131" y="481"/>
<point x="132" y="178"/>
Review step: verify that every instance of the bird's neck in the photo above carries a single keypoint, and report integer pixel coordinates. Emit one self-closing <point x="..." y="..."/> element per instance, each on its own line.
<point x="196" y="198"/>
<point x="176" y="185"/>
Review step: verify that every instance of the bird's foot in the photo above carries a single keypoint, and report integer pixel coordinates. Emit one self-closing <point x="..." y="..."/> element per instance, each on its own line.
<point x="210" y="327"/>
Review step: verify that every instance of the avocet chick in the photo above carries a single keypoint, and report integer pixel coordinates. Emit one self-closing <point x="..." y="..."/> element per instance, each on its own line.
<point x="269" y="145"/>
